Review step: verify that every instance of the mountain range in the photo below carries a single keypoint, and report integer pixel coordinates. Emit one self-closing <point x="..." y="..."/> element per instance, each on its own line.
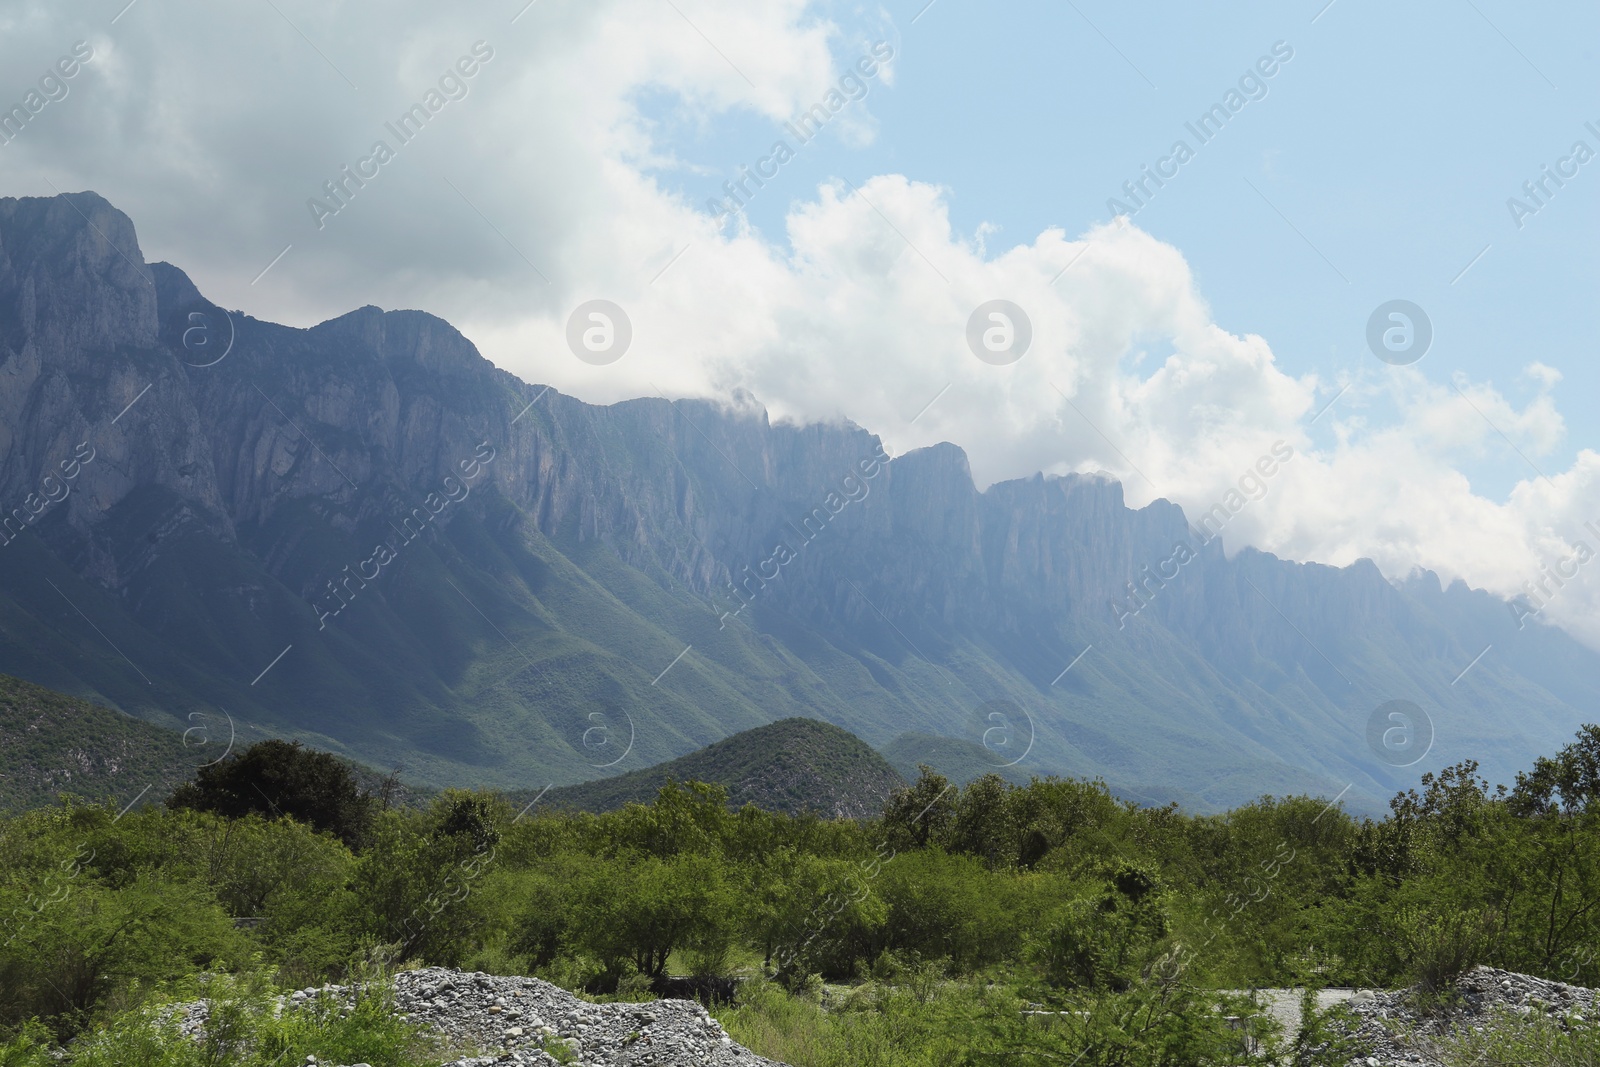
<point x="365" y="535"/>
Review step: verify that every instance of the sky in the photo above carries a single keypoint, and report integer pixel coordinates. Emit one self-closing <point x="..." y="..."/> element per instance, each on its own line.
<point x="963" y="241"/>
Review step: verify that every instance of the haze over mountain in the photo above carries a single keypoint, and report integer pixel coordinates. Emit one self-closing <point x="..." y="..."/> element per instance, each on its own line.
<point x="366" y="535"/>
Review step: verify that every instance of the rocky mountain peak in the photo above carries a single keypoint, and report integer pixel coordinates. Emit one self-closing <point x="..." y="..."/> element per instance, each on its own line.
<point x="404" y="338"/>
<point x="72" y="277"/>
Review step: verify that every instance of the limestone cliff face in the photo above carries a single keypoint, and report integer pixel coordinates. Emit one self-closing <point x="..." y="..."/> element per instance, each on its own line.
<point x="82" y="374"/>
<point x="367" y="405"/>
<point x="240" y="468"/>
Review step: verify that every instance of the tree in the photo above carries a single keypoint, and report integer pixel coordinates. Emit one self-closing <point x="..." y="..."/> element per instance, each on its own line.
<point x="282" y="778"/>
<point x="1569" y="783"/>
<point x="643" y="908"/>
<point x="920" y="812"/>
<point x="811" y="914"/>
<point x="1558" y="804"/>
<point x="94" y="942"/>
<point x="983" y="823"/>
<point x="686" y="817"/>
<point x="419" y="882"/>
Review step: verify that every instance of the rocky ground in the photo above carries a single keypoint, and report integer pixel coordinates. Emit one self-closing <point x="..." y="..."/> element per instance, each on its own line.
<point x="1398" y="1035"/>
<point x="524" y="1021"/>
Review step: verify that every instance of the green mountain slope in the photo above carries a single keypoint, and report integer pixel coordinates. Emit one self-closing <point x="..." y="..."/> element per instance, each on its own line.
<point x="793" y="765"/>
<point x="52" y="744"/>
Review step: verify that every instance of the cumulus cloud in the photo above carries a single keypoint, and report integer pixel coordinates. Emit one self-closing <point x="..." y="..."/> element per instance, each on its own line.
<point x="543" y="186"/>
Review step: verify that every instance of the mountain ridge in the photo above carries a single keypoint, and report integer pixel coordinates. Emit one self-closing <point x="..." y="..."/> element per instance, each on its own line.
<point x="617" y="561"/>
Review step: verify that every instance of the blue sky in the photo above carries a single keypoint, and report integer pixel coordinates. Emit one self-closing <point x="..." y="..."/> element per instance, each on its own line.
<point x="1391" y="142"/>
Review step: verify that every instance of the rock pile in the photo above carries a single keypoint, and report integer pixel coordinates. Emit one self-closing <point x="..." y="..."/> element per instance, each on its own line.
<point x="1398" y="1035"/>
<point x="524" y="1021"/>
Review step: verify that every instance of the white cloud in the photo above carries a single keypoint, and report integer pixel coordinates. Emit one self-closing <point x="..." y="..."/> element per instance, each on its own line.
<point x="861" y="313"/>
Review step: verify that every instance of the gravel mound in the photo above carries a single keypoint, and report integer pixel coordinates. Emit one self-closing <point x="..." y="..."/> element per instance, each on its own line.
<point x="514" y="1021"/>
<point x="1400" y="1036"/>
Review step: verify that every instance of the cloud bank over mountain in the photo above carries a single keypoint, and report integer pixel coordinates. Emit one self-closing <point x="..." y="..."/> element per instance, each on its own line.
<point x="546" y="183"/>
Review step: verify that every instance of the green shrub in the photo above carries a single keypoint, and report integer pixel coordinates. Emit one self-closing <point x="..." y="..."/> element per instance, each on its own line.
<point x="29" y="1048"/>
<point x="1326" y="1037"/>
<point x="94" y="945"/>
<point x="243" y="1031"/>
<point x="943" y="906"/>
<point x="1442" y="944"/>
<point x="1105" y="942"/>
<point x="1513" y="1040"/>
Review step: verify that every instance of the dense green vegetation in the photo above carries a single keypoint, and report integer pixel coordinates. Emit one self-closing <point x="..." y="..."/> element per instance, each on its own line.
<point x="921" y="936"/>
<point x="52" y="744"/>
<point x="790" y="766"/>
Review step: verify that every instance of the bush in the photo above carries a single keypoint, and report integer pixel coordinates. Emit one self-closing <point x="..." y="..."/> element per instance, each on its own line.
<point x="277" y="778"/>
<point x="243" y="1031"/>
<point x="420" y="887"/>
<point x="96" y="945"/>
<point x="1440" y="945"/>
<point x="1326" y="1038"/>
<point x="29" y="1048"/>
<point x="1108" y="941"/>
<point x="947" y="906"/>
<point x="1513" y="1040"/>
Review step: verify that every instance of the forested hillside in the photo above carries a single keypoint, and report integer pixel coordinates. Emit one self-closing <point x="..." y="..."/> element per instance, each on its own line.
<point x="792" y="766"/>
<point x="52" y="744"/>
